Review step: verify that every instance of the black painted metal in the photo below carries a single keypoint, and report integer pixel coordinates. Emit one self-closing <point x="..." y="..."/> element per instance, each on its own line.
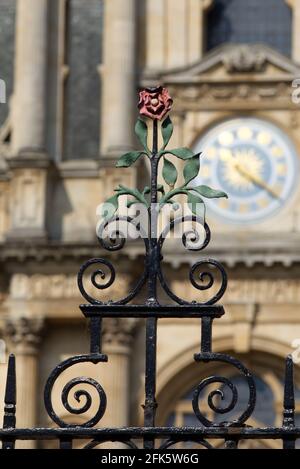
<point x="230" y="431"/>
<point x="289" y="402"/>
<point x="9" y="419"/>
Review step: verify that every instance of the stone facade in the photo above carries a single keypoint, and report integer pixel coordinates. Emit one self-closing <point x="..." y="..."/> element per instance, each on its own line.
<point x="48" y="204"/>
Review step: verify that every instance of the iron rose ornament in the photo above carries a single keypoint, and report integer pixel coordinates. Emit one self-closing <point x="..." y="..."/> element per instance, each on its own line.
<point x="187" y="219"/>
<point x="155" y="104"/>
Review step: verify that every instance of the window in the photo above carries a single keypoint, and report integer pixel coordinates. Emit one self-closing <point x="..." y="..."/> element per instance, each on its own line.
<point x="250" y="21"/>
<point x="82" y="93"/>
<point x="75" y="38"/>
<point x="7" y="45"/>
<point x="264" y="410"/>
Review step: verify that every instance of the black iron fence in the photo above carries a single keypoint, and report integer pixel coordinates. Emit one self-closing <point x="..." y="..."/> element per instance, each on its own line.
<point x="154" y="105"/>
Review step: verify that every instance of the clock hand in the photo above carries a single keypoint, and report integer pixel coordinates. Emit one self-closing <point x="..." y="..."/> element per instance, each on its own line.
<point x="251" y="177"/>
<point x="256" y="180"/>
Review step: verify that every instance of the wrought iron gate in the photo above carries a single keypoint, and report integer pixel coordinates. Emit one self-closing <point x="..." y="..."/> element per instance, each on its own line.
<point x="154" y="104"/>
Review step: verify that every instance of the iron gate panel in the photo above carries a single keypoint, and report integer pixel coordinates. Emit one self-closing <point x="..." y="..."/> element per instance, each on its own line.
<point x="155" y="104"/>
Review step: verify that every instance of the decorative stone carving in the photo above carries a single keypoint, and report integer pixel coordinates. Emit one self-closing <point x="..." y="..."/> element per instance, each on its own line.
<point x="60" y="286"/>
<point x="243" y="59"/>
<point x="216" y="94"/>
<point x="119" y="331"/>
<point x="24" y="333"/>
<point x="239" y="58"/>
<point x="28" y="287"/>
<point x="28" y="204"/>
<point x="208" y="82"/>
<point x="263" y="291"/>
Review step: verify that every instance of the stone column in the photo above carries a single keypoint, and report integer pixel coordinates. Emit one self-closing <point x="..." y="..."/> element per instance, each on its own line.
<point x="175" y="33"/>
<point x="4" y="199"/>
<point x="24" y="335"/>
<point x="117" y="337"/>
<point x="155" y="35"/>
<point x="295" y="6"/>
<point x="28" y="161"/>
<point x="118" y="77"/>
<point x="29" y="105"/>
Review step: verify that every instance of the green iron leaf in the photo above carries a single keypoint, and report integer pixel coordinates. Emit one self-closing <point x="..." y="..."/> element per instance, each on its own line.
<point x="191" y="168"/>
<point x="110" y="207"/>
<point x="167" y="131"/>
<point x="146" y="190"/>
<point x="122" y="190"/>
<point x="196" y="205"/>
<point x="161" y="189"/>
<point x="182" y="153"/>
<point x="169" y="172"/>
<point x="130" y="203"/>
<point x="141" y="131"/>
<point x="128" y="159"/>
<point x="209" y="193"/>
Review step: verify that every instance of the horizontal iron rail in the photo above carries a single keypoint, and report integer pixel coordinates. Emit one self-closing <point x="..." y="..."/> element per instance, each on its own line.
<point x="146" y="311"/>
<point x="182" y="433"/>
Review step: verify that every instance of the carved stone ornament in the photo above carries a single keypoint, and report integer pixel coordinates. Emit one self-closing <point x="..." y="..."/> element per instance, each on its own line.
<point x="119" y="331"/>
<point x="243" y="59"/>
<point x="24" y="333"/>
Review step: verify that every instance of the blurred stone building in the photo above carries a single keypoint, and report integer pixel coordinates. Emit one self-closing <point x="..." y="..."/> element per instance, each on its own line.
<point x="72" y="70"/>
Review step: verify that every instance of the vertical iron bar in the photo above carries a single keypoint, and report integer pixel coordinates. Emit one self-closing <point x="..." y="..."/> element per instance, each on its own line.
<point x="206" y="334"/>
<point x="153" y="256"/>
<point x="289" y="402"/>
<point x="151" y="323"/>
<point x="95" y="331"/>
<point x="150" y="379"/>
<point x="10" y="399"/>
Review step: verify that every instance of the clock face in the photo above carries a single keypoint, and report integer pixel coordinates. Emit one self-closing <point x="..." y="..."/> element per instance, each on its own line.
<point x="254" y="162"/>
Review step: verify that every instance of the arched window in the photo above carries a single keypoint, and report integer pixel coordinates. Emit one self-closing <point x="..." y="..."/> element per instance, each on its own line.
<point x="7" y="45"/>
<point x="82" y="96"/>
<point x="250" y="21"/>
<point x="75" y="56"/>
<point x="264" y="410"/>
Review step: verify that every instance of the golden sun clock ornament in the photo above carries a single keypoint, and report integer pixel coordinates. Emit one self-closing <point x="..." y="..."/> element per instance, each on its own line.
<point x="254" y="162"/>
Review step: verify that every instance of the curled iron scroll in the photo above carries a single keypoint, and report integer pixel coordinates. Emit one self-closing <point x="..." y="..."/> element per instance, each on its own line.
<point x="94" y="443"/>
<point x="220" y="357"/>
<point x="78" y="394"/>
<point x="104" y="274"/>
<point x="200" y="278"/>
<point x="172" y="441"/>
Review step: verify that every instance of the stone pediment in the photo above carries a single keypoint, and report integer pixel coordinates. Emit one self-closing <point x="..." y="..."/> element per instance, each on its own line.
<point x="233" y="63"/>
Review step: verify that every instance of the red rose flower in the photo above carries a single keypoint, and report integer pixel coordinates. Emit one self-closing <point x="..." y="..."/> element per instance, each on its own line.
<point x="155" y="103"/>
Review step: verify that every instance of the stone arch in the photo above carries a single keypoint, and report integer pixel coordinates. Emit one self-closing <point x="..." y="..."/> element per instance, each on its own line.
<point x="265" y="355"/>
